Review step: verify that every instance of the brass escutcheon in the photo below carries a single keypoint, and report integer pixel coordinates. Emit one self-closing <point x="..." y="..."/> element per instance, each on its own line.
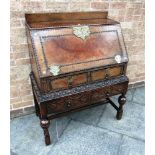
<point x="55" y="70"/>
<point x="81" y="31"/>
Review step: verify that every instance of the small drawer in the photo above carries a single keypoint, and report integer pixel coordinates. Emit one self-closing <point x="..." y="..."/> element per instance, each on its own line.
<point x="64" y="83"/>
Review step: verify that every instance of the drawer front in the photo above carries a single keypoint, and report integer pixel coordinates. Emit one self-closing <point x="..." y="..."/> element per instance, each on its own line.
<point x="106" y="73"/>
<point x="69" y="103"/>
<point x="70" y="81"/>
<point x="86" y="98"/>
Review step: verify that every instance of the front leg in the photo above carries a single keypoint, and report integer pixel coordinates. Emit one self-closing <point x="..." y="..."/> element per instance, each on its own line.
<point x="121" y="101"/>
<point x="44" y="123"/>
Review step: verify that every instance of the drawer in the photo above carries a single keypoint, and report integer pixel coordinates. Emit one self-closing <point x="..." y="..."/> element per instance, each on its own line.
<point x="85" y="98"/>
<point x="68" y="103"/>
<point x="70" y="81"/>
<point x="105" y="73"/>
<point x="82" y="78"/>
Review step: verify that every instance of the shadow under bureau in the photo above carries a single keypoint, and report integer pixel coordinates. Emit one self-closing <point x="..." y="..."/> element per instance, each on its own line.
<point x="78" y="60"/>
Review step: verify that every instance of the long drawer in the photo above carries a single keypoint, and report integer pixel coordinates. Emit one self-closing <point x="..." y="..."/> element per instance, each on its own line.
<point x="86" y="98"/>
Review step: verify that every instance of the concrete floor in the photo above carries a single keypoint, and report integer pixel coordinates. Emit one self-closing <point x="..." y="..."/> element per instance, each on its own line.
<point x="93" y="131"/>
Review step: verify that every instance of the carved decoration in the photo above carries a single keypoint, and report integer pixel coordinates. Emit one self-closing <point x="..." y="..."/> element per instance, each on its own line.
<point x="76" y="90"/>
<point x="55" y="70"/>
<point x="81" y="31"/>
<point x="118" y="58"/>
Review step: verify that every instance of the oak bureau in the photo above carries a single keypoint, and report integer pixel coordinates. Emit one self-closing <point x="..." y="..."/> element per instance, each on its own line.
<point x="78" y="60"/>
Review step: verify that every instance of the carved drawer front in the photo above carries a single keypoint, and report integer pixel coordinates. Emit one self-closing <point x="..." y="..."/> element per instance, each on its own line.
<point x="115" y="71"/>
<point x="119" y="88"/>
<point x="100" y="94"/>
<point x="68" y="103"/>
<point x="98" y="75"/>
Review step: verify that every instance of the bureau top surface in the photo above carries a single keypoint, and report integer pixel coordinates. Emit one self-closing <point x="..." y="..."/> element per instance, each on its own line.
<point x="48" y="20"/>
<point x="67" y="42"/>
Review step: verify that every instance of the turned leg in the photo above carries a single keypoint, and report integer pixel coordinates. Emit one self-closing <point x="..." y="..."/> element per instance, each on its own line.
<point x="45" y="124"/>
<point x="121" y="101"/>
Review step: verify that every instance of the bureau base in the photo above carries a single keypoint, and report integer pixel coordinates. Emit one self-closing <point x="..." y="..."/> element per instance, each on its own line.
<point x="61" y="106"/>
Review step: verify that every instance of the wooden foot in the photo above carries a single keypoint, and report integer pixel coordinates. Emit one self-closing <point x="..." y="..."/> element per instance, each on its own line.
<point x="121" y="101"/>
<point x="119" y="115"/>
<point x="45" y="124"/>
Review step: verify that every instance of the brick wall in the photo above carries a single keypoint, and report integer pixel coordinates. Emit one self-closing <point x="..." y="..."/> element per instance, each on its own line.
<point x="129" y="12"/>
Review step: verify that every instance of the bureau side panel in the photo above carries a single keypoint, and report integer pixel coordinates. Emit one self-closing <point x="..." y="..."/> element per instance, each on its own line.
<point x="32" y="57"/>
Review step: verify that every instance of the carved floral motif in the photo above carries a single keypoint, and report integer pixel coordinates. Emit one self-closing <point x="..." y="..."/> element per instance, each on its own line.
<point x="118" y="58"/>
<point x="81" y="31"/>
<point x="55" y="70"/>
